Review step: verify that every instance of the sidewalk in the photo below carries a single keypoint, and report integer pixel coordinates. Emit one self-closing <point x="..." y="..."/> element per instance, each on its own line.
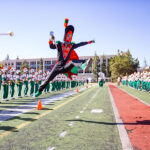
<point x="135" y="116"/>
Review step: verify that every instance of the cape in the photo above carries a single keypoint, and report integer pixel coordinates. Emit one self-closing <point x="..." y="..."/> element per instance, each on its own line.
<point x="73" y="56"/>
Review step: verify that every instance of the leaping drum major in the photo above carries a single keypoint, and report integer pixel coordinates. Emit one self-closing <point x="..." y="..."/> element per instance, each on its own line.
<point x="68" y="60"/>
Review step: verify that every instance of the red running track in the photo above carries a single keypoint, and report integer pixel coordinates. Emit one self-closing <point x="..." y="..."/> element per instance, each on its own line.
<point x="135" y="116"/>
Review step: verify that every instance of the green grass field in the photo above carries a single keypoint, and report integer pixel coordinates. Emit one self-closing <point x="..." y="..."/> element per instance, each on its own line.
<point x="143" y="95"/>
<point x="88" y="132"/>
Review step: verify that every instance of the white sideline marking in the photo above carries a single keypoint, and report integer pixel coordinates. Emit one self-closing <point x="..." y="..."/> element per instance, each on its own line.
<point x="50" y="148"/>
<point x="95" y="95"/>
<point x="96" y="111"/>
<point x="84" y="108"/>
<point x="71" y="123"/>
<point x="77" y="117"/>
<point x="126" y="144"/>
<point x="135" y="97"/>
<point x="62" y="135"/>
<point x="81" y="112"/>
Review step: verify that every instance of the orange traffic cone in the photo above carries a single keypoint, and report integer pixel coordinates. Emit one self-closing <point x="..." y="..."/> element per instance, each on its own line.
<point x="87" y="86"/>
<point x="77" y="90"/>
<point x="39" y="106"/>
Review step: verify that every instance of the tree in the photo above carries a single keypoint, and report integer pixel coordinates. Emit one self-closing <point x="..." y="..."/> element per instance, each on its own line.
<point x="145" y="63"/>
<point x="122" y="64"/>
<point x="7" y="57"/>
<point x="41" y="64"/>
<point x="103" y="65"/>
<point x="108" y="69"/>
<point x="96" y="67"/>
<point x="25" y="64"/>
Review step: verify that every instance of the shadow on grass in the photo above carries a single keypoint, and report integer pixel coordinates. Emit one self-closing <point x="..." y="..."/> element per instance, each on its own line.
<point x="17" y="107"/>
<point x="47" y="109"/>
<point x="8" y="128"/>
<point x="19" y="103"/>
<point x="14" y="106"/>
<point x="32" y="113"/>
<point x="50" y="104"/>
<point x="143" y="122"/>
<point x="20" y="118"/>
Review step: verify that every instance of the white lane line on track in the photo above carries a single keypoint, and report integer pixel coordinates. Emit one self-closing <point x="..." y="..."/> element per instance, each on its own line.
<point x="50" y="148"/>
<point x="62" y="135"/>
<point x="126" y="144"/>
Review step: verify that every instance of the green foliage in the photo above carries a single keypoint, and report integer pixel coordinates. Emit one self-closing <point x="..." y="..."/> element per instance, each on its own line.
<point x="122" y="64"/>
<point x="25" y="64"/>
<point x="108" y="70"/>
<point x="103" y="65"/>
<point x="41" y="64"/>
<point x="145" y="63"/>
<point x="96" y="67"/>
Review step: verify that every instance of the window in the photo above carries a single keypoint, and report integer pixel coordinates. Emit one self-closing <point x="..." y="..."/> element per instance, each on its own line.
<point x="18" y="63"/>
<point x="33" y="67"/>
<point x="32" y="63"/>
<point x="17" y="68"/>
<point x="53" y="61"/>
<point x="48" y="62"/>
<point x="47" y="67"/>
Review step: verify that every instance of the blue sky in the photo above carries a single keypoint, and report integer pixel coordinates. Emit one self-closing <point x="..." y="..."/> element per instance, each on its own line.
<point x="114" y="24"/>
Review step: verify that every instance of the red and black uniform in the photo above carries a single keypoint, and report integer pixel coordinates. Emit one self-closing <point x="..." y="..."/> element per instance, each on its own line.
<point x="67" y="57"/>
<point x="64" y="63"/>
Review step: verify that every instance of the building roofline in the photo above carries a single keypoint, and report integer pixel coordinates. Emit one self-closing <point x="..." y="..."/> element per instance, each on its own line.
<point x="52" y="58"/>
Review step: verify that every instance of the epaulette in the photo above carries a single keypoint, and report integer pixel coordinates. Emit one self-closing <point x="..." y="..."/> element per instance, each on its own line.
<point x="73" y="43"/>
<point x="57" y="42"/>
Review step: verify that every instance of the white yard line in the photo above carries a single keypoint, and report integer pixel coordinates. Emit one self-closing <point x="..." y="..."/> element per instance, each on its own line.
<point x="96" y="111"/>
<point x="71" y="123"/>
<point x="62" y="135"/>
<point x="84" y="108"/>
<point x="50" y="148"/>
<point x="77" y="117"/>
<point x="81" y="112"/>
<point x="126" y="144"/>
